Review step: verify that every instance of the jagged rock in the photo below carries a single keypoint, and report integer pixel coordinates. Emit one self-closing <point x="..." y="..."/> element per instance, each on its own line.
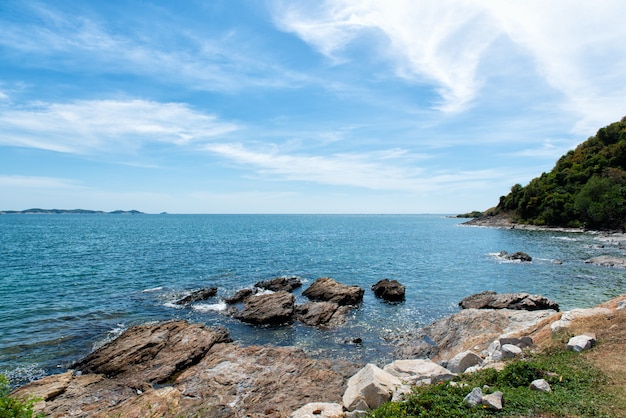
<point x="493" y="401"/>
<point x="389" y="290"/>
<point x="569" y="316"/>
<point x="475" y="397"/>
<point x="326" y="289"/>
<point x="369" y="388"/>
<point x="521" y="301"/>
<point x="318" y="410"/>
<point x="464" y="330"/>
<point x="198" y="295"/>
<point x="48" y="387"/>
<point x="228" y="380"/>
<point x="510" y="351"/>
<point x="240" y="296"/>
<point x="285" y="284"/>
<point x="321" y="313"/>
<point x="541" y="385"/>
<point x="463" y="361"/>
<point x="581" y="342"/>
<point x="418" y="371"/>
<point x="153" y="354"/>
<point x="271" y="309"/>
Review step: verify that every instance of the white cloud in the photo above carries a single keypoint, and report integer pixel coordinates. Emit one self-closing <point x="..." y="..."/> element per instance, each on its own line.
<point x="383" y="170"/>
<point x="89" y="126"/>
<point x="438" y="42"/>
<point x="37" y="182"/>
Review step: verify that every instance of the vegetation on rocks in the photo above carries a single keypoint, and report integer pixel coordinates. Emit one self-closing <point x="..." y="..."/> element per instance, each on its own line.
<point x="11" y="407"/>
<point x="586" y="187"/>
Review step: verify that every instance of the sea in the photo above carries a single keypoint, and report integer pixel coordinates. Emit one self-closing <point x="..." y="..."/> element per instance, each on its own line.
<point x="69" y="283"/>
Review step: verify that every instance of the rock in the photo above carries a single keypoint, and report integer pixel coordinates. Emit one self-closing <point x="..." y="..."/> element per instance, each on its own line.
<point x="321" y="313"/>
<point x="475" y="397"/>
<point x="522" y="342"/>
<point x="541" y="385"/>
<point x="227" y="381"/>
<point x="318" y="410"/>
<point x="239" y="296"/>
<point x="389" y="290"/>
<point x="369" y="388"/>
<point x="621" y="305"/>
<point x="48" y="387"/>
<point x="608" y="261"/>
<point x="463" y="360"/>
<point x="198" y="295"/>
<point x="401" y="392"/>
<point x="493" y="401"/>
<point x="326" y="289"/>
<point x="569" y="316"/>
<point x="271" y="309"/>
<point x="521" y="301"/>
<point x="464" y="330"/>
<point x="284" y="284"/>
<point x="153" y="354"/>
<point x="418" y="371"/>
<point x="521" y="256"/>
<point x="581" y="342"/>
<point x="510" y="351"/>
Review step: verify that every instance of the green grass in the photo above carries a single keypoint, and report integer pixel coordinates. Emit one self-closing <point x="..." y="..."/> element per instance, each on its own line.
<point x="11" y="407"/>
<point x="576" y="391"/>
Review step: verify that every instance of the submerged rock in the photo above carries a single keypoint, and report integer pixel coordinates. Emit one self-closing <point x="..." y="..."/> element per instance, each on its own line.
<point x="521" y="301"/>
<point x="326" y="289"/>
<point x="197" y="296"/>
<point x="389" y="290"/>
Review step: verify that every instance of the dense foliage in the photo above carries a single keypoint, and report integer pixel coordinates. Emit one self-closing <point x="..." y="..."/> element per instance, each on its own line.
<point x="587" y="186"/>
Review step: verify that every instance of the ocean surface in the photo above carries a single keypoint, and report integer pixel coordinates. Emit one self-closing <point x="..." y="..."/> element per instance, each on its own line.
<point x="69" y="283"/>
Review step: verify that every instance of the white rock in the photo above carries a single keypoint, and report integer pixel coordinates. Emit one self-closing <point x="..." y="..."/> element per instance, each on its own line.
<point x="621" y="305"/>
<point x="569" y="316"/>
<point x="581" y="342"/>
<point x="369" y="388"/>
<point x="511" y="351"/>
<point x="401" y="392"/>
<point x="493" y="401"/>
<point x="541" y="385"/>
<point x="418" y="371"/>
<point x="318" y="410"/>
<point x="464" y="360"/>
<point x="475" y="397"/>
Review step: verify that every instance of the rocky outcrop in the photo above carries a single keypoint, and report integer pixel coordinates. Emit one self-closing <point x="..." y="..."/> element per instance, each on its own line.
<point x="318" y="314"/>
<point x="326" y="289"/>
<point x="239" y="296"/>
<point x="520" y="301"/>
<point x="517" y="256"/>
<point x="469" y="329"/>
<point x="199" y="373"/>
<point x="389" y="290"/>
<point x="284" y="284"/>
<point x="271" y="309"/>
<point x="197" y="296"/>
<point x="608" y="261"/>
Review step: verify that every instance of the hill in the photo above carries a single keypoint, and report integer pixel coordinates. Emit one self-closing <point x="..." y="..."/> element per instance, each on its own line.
<point x="586" y="187"/>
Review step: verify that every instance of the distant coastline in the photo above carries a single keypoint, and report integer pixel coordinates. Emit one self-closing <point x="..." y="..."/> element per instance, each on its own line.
<point x="38" y="211"/>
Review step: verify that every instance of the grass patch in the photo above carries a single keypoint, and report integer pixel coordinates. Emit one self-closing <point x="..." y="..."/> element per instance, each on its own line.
<point x="576" y="391"/>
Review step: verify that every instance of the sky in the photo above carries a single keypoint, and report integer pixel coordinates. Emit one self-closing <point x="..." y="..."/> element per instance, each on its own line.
<point x="345" y="106"/>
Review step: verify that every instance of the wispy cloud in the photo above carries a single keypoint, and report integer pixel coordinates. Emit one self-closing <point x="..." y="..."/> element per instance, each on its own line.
<point x="428" y="42"/>
<point x="393" y="169"/>
<point x="38" y="182"/>
<point x="84" y="127"/>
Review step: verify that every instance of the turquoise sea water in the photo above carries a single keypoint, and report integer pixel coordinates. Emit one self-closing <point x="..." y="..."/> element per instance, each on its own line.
<point x="70" y="282"/>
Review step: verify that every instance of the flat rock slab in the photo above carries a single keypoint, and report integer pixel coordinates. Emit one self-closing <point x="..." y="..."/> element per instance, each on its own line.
<point x="521" y="301"/>
<point x="271" y="309"/>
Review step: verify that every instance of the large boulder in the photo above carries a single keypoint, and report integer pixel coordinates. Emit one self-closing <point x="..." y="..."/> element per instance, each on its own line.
<point x="197" y="296"/>
<point x="326" y="289"/>
<point x="153" y="354"/>
<point x="463" y="361"/>
<point x="369" y="388"/>
<point x="285" y="284"/>
<point x="389" y="290"/>
<point x="270" y="309"/>
<point x="521" y="301"/>
<point x="416" y="371"/>
<point x="319" y="314"/>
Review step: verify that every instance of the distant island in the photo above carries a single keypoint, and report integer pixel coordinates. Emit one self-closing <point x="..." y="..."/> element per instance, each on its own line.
<point x="585" y="189"/>
<point x="37" y="211"/>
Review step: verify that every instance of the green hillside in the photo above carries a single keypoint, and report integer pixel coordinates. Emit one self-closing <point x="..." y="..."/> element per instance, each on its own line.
<point x="586" y="187"/>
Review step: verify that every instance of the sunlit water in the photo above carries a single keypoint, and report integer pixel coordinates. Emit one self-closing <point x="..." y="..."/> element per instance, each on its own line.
<point x="69" y="283"/>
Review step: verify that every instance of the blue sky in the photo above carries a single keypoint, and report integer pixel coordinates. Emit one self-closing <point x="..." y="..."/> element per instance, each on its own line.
<point x="347" y="106"/>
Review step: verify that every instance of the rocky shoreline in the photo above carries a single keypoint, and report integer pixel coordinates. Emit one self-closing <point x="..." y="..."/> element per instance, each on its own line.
<point x="178" y="368"/>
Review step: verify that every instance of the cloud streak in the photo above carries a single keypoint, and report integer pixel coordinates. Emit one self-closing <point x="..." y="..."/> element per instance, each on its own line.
<point x="110" y="126"/>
